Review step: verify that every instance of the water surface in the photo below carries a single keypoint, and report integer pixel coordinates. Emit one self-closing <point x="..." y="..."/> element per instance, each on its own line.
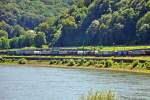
<point x="39" y="83"/>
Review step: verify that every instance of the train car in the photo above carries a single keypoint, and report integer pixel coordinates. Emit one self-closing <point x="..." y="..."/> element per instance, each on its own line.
<point x="147" y="52"/>
<point x="107" y="53"/>
<point x="37" y="52"/>
<point x="121" y="53"/>
<point x="96" y="52"/>
<point x="138" y="52"/>
<point x="2" y="52"/>
<point x="45" y="52"/>
<point x="63" y="52"/>
<point x="24" y="52"/>
<point x="80" y="52"/>
<point x="72" y="52"/>
<point x="11" y="52"/>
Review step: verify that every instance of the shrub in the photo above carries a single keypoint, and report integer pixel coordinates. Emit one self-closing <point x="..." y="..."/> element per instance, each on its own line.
<point x="2" y="59"/>
<point x="51" y="62"/>
<point x="54" y="62"/>
<point x="147" y="65"/>
<point x="108" y="63"/>
<point x="81" y="62"/>
<point x="89" y="63"/>
<point x="71" y="62"/>
<point x="22" y="61"/>
<point x="99" y="96"/>
<point x="64" y="62"/>
<point x="99" y="65"/>
<point x="134" y="64"/>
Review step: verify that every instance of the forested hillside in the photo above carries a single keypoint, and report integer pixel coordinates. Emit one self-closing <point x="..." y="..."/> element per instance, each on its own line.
<point x="25" y="23"/>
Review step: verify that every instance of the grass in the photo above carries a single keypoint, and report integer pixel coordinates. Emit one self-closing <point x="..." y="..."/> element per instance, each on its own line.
<point x="80" y="61"/>
<point x="103" y="64"/>
<point x="134" y="65"/>
<point x="99" y="96"/>
<point x="147" y="58"/>
<point x="114" y="48"/>
<point x="99" y="48"/>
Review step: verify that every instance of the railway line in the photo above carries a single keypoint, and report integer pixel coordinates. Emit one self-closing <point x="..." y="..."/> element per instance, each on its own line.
<point x="71" y="52"/>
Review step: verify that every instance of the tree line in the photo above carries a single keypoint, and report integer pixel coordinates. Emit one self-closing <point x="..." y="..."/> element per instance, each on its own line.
<point x="78" y="22"/>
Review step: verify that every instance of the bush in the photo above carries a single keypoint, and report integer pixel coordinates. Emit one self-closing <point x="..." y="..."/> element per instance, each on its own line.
<point x="22" y="61"/>
<point x="89" y="63"/>
<point x="99" y="65"/>
<point x="51" y="62"/>
<point x="134" y="64"/>
<point x="71" y="62"/>
<point x="108" y="63"/>
<point x="2" y="59"/>
<point x="147" y="65"/>
<point x="102" y="62"/>
<point x="81" y="62"/>
<point x="64" y="62"/>
<point x="99" y="96"/>
<point x="54" y="62"/>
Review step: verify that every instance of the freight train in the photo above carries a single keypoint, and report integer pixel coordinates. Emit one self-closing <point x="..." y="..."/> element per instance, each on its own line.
<point x="62" y="52"/>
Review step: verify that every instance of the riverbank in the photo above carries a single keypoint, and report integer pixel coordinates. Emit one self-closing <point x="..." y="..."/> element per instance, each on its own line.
<point x="114" y="68"/>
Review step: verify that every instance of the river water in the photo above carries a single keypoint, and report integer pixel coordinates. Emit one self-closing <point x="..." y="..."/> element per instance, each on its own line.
<point x="41" y="83"/>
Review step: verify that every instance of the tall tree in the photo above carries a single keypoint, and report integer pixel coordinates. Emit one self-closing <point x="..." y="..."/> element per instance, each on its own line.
<point x="40" y="39"/>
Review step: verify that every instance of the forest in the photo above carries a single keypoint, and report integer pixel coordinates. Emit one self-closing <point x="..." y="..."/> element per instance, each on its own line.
<point x="33" y="23"/>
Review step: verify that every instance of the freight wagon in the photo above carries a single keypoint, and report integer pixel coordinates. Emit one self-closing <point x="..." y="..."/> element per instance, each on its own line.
<point x="48" y="52"/>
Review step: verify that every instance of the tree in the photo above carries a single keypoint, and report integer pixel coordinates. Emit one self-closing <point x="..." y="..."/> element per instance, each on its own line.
<point x="4" y="43"/>
<point x="3" y="34"/>
<point x="21" y="41"/>
<point x="40" y="39"/>
<point x="18" y="30"/>
<point x="14" y="43"/>
<point x="69" y="21"/>
<point x="143" y="28"/>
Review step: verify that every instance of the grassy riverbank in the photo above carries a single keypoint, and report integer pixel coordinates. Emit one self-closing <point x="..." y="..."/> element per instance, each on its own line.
<point x="109" y="64"/>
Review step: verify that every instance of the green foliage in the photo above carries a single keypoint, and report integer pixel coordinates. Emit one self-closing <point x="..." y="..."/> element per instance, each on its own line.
<point x="39" y="39"/>
<point x="22" y="61"/>
<point x="147" y="65"/>
<point x="2" y="59"/>
<point x="143" y="28"/>
<point x="89" y="63"/>
<point x="99" y="96"/>
<point x="71" y="62"/>
<point x="3" y="34"/>
<point x="134" y="64"/>
<point x="75" y="22"/>
<point x="14" y="43"/>
<point x="70" y="21"/>
<point x="4" y="43"/>
<point x="108" y="63"/>
<point x="52" y="62"/>
<point x="81" y="62"/>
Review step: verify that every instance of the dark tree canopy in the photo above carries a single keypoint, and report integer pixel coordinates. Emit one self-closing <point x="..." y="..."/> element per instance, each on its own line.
<point x="74" y="22"/>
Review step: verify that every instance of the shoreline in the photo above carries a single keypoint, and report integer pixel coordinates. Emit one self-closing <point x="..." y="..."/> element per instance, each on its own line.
<point x="122" y="70"/>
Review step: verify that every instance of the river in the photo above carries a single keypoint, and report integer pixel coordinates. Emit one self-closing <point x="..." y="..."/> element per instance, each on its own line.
<point x="42" y="83"/>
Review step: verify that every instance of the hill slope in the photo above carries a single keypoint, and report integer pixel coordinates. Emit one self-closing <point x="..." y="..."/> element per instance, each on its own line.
<point x="69" y="23"/>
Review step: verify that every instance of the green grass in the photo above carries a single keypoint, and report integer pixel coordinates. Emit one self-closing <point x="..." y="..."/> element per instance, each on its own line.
<point x="99" y="96"/>
<point x="146" y="58"/>
<point x="99" y="48"/>
<point x="135" y="65"/>
<point x="113" y="48"/>
<point x="109" y="64"/>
